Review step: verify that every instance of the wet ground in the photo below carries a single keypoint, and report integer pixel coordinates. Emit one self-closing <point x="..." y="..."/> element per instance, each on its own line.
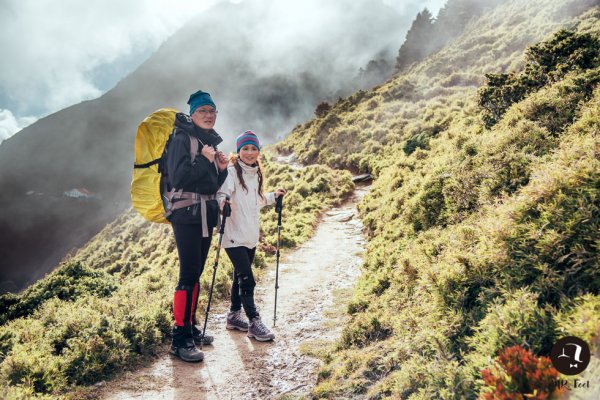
<point x="314" y="282"/>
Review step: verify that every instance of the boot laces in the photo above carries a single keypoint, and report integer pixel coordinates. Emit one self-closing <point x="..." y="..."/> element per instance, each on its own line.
<point x="236" y="316"/>
<point x="260" y="327"/>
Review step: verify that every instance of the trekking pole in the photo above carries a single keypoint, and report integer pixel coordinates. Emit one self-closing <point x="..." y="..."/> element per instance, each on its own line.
<point x="226" y="213"/>
<point x="278" y="209"/>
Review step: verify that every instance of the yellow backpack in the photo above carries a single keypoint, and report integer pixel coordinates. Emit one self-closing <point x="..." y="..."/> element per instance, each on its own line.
<point x="149" y="195"/>
<point x="150" y="141"/>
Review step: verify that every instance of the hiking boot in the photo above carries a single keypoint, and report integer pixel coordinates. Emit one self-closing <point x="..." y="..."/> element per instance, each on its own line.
<point x="259" y="331"/>
<point x="187" y="351"/>
<point x="198" y="339"/>
<point x="235" y="320"/>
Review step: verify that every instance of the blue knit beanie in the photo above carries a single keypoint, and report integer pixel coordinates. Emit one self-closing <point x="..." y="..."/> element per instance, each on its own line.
<point x="245" y="138"/>
<point x="200" y="99"/>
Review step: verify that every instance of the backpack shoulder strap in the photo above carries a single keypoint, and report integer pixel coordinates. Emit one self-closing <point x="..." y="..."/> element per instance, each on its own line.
<point x="194" y="147"/>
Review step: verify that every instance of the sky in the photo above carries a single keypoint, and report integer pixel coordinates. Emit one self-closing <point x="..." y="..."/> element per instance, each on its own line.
<point x="56" y="54"/>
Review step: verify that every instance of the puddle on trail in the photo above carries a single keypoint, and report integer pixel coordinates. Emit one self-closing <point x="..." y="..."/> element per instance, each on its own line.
<point x="236" y="367"/>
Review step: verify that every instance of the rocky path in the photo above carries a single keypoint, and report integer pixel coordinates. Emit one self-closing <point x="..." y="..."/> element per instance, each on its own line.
<point x="314" y="281"/>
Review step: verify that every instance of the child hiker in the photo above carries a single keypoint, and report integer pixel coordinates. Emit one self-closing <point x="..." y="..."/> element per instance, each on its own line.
<point x="244" y="186"/>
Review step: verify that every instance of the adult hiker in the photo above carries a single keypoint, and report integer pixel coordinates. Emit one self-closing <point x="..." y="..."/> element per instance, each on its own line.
<point x="244" y="186"/>
<point x="193" y="223"/>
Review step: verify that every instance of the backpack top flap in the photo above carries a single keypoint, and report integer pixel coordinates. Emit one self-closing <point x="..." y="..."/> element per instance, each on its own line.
<point x="152" y="135"/>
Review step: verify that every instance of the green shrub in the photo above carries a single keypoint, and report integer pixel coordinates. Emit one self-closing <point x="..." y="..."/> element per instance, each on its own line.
<point x="70" y="281"/>
<point x="546" y="62"/>
<point x="33" y="368"/>
<point x="23" y="393"/>
<point x="364" y="331"/>
<point x="90" y="357"/>
<point x="513" y="319"/>
<point x="553" y="245"/>
<point x="581" y="319"/>
<point x="419" y="141"/>
<point x="429" y="205"/>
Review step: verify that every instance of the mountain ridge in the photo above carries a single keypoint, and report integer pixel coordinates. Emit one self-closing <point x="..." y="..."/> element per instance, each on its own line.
<point x="90" y="144"/>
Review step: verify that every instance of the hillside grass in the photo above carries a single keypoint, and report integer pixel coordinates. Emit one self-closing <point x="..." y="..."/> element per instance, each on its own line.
<point x="109" y="305"/>
<point x="483" y="234"/>
<point x="480" y="237"/>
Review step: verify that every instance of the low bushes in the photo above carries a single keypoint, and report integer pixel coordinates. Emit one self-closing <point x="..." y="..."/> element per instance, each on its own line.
<point x="110" y="304"/>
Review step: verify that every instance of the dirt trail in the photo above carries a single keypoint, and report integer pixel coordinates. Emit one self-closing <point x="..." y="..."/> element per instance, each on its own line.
<point x="237" y="367"/>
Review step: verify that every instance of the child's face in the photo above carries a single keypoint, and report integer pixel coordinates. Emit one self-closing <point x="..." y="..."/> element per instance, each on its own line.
<point x="249" y="154"/>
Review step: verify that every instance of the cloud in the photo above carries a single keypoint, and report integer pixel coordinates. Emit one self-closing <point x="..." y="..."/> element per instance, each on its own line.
<point x="51" y="51"/>
<point x="56" y="54"/>
<point x="404" y="5"/>
<point x="9" y="124"/>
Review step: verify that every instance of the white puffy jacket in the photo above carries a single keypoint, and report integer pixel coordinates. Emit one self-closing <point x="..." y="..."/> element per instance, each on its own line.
<point x="242" y="227"/>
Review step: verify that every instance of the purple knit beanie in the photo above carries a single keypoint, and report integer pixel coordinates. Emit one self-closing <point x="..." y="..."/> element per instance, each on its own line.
<point x="245" y="138"/>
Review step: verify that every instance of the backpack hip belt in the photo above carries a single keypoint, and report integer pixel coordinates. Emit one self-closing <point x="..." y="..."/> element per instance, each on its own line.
<point x="177" y="199"/>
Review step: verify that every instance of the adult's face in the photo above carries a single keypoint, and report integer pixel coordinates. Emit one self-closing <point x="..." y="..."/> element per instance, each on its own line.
<point x="205" y="117"/>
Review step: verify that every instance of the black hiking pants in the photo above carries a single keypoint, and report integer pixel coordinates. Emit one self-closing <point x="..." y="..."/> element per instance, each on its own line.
<point x="193" y="250"/>
<point x="242" y="289"/>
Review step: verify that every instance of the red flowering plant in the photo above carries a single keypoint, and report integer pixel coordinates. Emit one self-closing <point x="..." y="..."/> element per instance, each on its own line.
<point x="518" y="374"/>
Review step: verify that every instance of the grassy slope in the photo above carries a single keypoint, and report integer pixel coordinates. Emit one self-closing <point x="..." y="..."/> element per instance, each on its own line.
<point x="110" y="303"/>
<point x="494" y="232"/>
<point x="466" y="228"/>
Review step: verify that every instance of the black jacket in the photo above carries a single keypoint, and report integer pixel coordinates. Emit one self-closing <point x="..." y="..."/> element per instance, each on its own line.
<point x="201" y="176"/>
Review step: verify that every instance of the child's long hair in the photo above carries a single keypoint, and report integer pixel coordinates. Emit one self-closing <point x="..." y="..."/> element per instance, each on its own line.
<point x="234" y="159"/>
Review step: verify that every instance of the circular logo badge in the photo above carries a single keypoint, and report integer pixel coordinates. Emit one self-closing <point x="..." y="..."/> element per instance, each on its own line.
<point x="570" y="355"/>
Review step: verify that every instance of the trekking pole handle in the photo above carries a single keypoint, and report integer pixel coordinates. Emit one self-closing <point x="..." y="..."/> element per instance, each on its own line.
<point x="226" y="213"/>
